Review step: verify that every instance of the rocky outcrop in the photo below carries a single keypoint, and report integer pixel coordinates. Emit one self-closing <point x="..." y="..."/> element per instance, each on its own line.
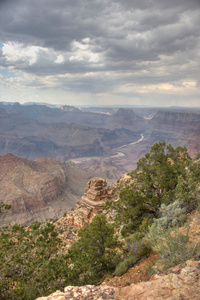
<point x="87" y="292"/>
<point x="175" y="121"/>
<point x="182" y="282"/>
<point x="92" y="203"/>
<point x="39" y="189"/>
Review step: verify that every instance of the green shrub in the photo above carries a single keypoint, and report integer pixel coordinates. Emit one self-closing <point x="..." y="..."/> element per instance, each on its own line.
<point x="174" y="250"/>
<point x="171" y="215"/>
<point x="186" y="192"/>
<point x="150" y="269"/>
<point x="135" y="248"/>
<point x="125" y="265"/>
<point x="171" y="246"/>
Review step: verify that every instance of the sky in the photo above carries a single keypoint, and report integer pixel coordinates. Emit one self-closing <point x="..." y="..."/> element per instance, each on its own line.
<point x="100" y="52"/>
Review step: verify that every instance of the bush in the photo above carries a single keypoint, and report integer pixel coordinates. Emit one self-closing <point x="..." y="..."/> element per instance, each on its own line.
<point x="135" y="248"/>
<point x="171" y="246"/>
<point x="94" y="252"/>
<point x="171" y="215"/>
<point x="125" y="265"/>
<point x="175" y="250"/>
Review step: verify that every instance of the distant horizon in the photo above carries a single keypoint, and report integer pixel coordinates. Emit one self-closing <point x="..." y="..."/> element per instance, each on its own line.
<point x="100" y="105"/>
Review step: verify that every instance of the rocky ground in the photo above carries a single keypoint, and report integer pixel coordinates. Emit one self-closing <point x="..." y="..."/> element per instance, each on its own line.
<point x="182" y="282"/>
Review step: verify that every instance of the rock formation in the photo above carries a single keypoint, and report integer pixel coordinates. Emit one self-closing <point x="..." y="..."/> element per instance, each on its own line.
<point x="87" y="292"/>
<point x="92" y="202"/>
<point x="39" y="189"/>
<point x="181" y="282"/>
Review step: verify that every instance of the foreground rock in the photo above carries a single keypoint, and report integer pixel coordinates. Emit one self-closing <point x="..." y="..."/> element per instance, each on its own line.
<point x="87" y="292"/>
<point x="181" y="282"/>
<point x="39" y="190"/>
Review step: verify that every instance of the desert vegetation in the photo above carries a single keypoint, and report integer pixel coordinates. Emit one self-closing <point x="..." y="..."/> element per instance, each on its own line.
<point x="163" y="191"/>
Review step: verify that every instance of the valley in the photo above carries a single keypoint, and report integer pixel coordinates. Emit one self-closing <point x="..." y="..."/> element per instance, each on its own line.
<point x="46" y="159"/>
<point x="121" y="135"/>
<point x="39" y="190"/>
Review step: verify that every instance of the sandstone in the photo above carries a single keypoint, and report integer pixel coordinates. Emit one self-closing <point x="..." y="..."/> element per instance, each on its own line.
<point x="92" y="202"/>
<point x="87" y="292"/>
<point x="124" y="179"/>
<point x="181" y="283"/>
<point x="39" y="189"/>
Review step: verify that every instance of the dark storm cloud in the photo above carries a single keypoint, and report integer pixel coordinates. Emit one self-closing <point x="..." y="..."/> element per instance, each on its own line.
<point x="157" y="37"/>
<point x="49" y="23"/>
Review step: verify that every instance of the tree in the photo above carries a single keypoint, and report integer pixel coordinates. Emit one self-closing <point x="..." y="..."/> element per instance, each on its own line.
<point x="26" y="254"/>
<point x="94" y="252"/>
<point x="4" y="207"/>
<point x="187" y="192"/>
<point x="155" y="180"/>
<point x="158" y="170"/>
<point x="132" y="208"/>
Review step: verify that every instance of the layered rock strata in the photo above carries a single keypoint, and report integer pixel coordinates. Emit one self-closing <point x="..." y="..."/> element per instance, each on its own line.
<point x="92" y="203"/>
<point x="40" y="189"/>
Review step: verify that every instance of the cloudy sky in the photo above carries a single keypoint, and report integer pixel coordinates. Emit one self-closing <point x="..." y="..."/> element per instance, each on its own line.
<point x="76" y="52"/>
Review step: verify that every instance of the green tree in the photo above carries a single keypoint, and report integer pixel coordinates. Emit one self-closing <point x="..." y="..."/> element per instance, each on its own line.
<point x="155" y="179"/>
<point x="187" y="192"/>
<point x="4" y="207"/>
<point x="158" y="170"/>
<point x="132" y="208"/>
<point x="94" y="252"/>
<point x="26" y="254"/>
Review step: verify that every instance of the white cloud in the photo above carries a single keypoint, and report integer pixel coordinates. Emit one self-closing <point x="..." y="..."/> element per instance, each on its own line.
<point x="17" y="52"/>
<point x="83" y="51"/>
<point x="59" y="59"/>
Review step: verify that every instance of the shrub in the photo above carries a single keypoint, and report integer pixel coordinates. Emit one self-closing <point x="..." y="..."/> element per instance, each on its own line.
<point x="135" y="248"/>
<point x="125" y="265"/>
<point x="171" y="215"/>
<point x="94" y="252"/>
<point x="174" y="250"/>
<point x="171" y="246"/>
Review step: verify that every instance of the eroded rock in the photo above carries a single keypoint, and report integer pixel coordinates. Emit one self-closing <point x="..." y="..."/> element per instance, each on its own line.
<point x="87" y="292"/>
<point x="182" y="282"/>
<point x="38" y="189"/>
<point x="92" y="203"/>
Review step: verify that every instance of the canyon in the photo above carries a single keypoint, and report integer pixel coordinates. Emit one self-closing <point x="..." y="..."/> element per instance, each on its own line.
<point x="40" y="189"/>
<point x="49" y="154"/>
<point x="95" y="134"/>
